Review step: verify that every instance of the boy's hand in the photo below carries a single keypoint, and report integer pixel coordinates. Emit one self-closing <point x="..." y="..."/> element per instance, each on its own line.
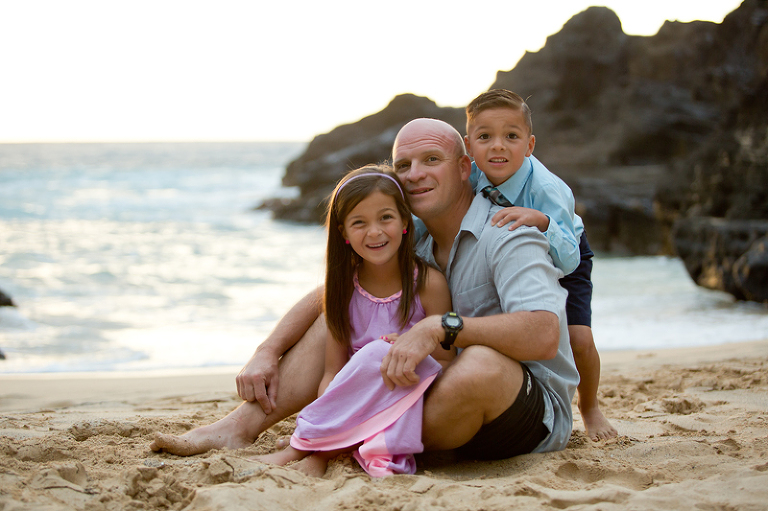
<point x="521" y="216"/>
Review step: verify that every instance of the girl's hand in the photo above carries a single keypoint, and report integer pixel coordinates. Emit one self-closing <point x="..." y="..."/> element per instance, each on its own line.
<point x="390" y="338"/>
<point x="399" y="365"/>
<point x="521" y="216"/>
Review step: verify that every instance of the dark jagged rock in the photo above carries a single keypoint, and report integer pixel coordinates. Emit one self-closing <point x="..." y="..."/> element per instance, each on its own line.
<point x="750" y="272"/>
<point x="618" y="117"/>
<point x="329" y="156"/>
<point x="718" y="204"/>
<point x="5" y="300"/>
<point x="727" y="255"/>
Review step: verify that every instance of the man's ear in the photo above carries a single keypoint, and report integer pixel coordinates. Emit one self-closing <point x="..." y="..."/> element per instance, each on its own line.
<point x="531" y="144"/>
<point x="465" y="164"/>
<point x="467" y="145"/>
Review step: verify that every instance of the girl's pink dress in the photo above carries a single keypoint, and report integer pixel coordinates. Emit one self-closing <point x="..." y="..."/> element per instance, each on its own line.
<point x="357" y="406"/>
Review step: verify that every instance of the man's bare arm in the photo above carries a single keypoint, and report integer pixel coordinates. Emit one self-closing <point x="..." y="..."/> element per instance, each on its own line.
<point x="520" y="336"/>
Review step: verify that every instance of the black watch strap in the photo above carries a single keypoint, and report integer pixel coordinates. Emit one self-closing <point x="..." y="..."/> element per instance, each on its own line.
<point x="452" y="324"/>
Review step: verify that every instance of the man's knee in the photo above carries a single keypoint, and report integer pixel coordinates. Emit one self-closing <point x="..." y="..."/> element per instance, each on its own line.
<point x="484" y="376"/>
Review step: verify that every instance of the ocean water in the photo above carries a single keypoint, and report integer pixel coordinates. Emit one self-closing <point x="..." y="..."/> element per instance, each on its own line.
<point x="150" y="257"/>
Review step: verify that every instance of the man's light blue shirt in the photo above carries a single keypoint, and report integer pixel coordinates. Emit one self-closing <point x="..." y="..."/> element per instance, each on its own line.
<point x="534" y="186"/>
<point x="495" y="271"/>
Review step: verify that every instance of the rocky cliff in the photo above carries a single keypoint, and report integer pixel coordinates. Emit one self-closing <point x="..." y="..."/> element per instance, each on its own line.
<point x="625" y="120"/>
<point x="717" y="203"/>
<point x="329" y="156"/>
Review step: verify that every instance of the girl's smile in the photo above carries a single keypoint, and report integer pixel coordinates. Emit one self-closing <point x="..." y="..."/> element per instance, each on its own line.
<point x="374" y="229"/>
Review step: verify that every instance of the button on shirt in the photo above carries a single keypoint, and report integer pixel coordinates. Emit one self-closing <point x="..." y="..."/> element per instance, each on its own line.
<point x="493" y="271"/>
<point x="535" y="187"/>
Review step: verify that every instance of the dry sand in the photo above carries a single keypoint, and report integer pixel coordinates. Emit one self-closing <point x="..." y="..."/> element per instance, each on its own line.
<point x="693" y="434"/>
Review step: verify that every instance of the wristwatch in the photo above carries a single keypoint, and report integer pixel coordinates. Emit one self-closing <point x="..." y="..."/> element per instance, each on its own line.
<point x="452" y="323"/>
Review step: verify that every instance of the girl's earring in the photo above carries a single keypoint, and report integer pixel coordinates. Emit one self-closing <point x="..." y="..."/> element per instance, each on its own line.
<point x="346" y="241"/>
<point x="405" y="231"/>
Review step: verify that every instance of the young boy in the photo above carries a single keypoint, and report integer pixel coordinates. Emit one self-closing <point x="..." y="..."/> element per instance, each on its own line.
<point x="500" y="139"/>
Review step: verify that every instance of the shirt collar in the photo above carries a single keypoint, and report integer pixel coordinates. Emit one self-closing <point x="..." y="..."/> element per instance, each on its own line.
<point x="512" y="187"/>
<point x="475" y="220"/>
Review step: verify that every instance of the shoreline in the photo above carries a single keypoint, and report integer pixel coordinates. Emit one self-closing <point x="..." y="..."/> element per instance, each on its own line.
<point x="35" y="390"/>
<point x="692" y="429"/>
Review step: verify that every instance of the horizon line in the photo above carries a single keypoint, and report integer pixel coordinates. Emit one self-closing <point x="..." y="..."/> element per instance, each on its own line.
<point x="157" y="141"/>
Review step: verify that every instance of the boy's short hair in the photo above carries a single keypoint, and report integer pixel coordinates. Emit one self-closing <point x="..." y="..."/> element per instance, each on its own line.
<point x="499" y="98"/>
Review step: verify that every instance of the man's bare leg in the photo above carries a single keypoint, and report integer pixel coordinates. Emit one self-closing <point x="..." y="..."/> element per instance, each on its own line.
<point x="588" y="364"/>
<point x="301" y="370"/>
<point x="475" y="389"/>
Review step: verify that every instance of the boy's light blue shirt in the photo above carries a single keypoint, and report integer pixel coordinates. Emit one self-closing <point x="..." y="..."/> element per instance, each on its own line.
<point x="534" y="186"/>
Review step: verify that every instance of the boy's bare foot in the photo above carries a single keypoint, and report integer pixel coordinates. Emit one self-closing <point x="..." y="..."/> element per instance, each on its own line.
<point x="598" y="427"/>
<point x="198" y="441"/>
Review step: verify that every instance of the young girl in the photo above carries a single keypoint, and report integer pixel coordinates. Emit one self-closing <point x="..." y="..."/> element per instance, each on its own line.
<point x="375" y="288"/>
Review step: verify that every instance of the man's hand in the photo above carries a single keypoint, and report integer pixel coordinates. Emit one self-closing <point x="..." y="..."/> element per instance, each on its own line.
<point x="408" y="350"/>
<point x="521" y="216"/>
<point x="257" y="381"/>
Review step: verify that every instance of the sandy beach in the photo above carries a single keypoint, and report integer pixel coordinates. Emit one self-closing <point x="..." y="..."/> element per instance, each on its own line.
<point x="693" y="434"/>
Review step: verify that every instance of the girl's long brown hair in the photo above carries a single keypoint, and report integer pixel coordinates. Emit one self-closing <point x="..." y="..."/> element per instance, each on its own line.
<point x="341" y="260"/>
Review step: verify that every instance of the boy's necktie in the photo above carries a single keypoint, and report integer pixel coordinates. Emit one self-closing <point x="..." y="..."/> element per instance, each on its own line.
<point x="495" y="196"/>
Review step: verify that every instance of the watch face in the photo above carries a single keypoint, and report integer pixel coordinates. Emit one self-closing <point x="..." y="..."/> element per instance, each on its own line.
<point x="452" y="321"/>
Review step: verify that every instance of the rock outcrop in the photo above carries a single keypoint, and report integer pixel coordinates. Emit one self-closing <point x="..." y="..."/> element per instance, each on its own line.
<point x="5" y="300"/>
<point x="329" y="156"/>
<point x="648" y="131"/>
<point x="617" y="116"/>
<point x="718" y="204"/>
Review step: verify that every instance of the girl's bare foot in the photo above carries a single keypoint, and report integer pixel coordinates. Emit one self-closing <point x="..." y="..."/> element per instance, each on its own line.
<point x="283" y="457"/>
<point x="314" y="465"/>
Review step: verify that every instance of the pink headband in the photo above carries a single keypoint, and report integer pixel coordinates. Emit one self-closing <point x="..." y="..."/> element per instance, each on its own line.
<point x="371" y="174"/>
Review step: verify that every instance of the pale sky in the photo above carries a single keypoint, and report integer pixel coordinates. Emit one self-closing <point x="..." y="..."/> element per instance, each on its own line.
<point x="169" y="70"/>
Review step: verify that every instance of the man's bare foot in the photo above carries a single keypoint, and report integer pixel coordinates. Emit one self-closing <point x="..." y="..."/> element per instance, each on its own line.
<point x="598" y="427"/>
<point x="314" y="465"/>
<point x="198" y="441"/>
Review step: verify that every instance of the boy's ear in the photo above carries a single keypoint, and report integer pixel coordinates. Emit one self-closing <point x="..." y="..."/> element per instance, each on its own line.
<point x="531" y="144"/>
<point x="467" y="145"/>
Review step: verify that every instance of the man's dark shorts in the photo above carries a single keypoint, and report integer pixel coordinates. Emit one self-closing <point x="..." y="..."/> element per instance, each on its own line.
<point x="516" y="431"/>
<point x="578" y="305"/>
